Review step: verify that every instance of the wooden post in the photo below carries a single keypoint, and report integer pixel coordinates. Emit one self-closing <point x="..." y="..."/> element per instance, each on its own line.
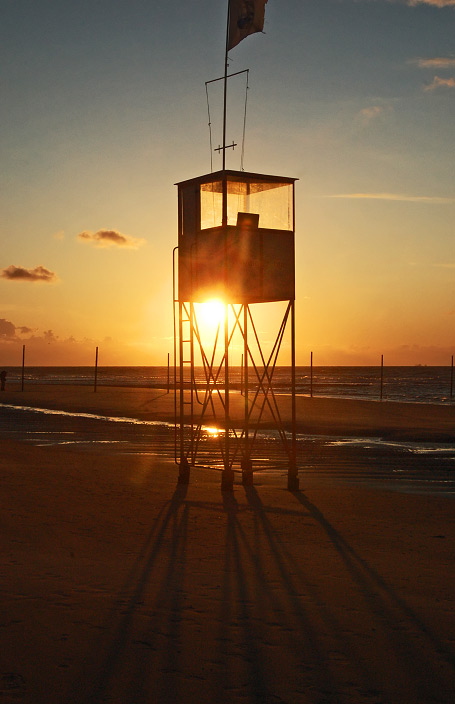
<point x="451" y="379"/>
<point x="96" y="369"/>
<point x="168" y="373"/>
<point x="311" y="375"/>
<point x="23" y="366"/>
<point x="382" y="376"/>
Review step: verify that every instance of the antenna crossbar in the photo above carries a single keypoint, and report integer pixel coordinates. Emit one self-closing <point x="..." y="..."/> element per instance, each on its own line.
<point x="220" y="148"/>
<point x="230" y="75"/>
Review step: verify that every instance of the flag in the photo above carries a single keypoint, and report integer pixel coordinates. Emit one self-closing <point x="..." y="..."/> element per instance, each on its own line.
<point x="245" y="17"/>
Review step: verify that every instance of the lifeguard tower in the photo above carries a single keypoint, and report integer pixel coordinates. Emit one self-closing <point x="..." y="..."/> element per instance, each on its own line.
<point x="235" y="243"/>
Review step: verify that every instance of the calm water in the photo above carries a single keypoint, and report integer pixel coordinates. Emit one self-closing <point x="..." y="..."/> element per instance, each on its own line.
<point x="412" y="384"/>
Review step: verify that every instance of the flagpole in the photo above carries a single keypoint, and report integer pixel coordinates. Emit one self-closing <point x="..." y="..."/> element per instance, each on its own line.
<point x="224" y="183"/>
<point x="225" y="85"/>
<point x="228" y="481"/>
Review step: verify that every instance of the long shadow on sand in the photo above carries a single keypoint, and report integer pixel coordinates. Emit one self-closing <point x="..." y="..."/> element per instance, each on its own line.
<point x="412" y="657"/>
<point x="99" y="674"/>
<point x="262" y="609"/>
<point x="263" y="626"/>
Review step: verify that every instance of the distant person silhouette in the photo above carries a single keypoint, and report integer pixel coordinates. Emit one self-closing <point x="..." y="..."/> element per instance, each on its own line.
<point x="2" y="379"/>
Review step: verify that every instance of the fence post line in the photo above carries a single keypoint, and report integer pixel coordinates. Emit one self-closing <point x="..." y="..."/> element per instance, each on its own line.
<point x="96" y="369"/>
<point x="23" y="367"/>
<point x="382" y="376"/>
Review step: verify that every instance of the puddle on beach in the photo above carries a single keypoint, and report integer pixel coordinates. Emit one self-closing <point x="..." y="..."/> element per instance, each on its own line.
<point x="401" y="466"/>
<point x="420" y="448"/>
<point x="92" y="416"/>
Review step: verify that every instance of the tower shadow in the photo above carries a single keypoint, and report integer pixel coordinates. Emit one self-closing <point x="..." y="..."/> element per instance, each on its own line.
<point x="167" y="542"/>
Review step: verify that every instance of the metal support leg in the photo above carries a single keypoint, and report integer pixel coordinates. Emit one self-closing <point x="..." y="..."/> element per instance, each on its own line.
<point x="293" y="477"/>
<point x="246" y="464"/>
<point x="227" y="477"/>
<point x="184" y="472"/>
<point x="184" y="467"/>
<point x="192" y="384"/>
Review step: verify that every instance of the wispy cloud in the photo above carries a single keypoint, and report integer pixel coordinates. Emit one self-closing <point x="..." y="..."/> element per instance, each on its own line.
<point x="441" y="62"/>
<point x="401" y="197"/>
<point x="433" y="3"/>
<point x="47" y="347"/>
<point x="370" y="113"/>
<point x="7" y="329"/>
<point x="110" y="238"/>
<point x="38" y="274"/>
<point x="444" y="265"/>
<point x="440" y="83"/>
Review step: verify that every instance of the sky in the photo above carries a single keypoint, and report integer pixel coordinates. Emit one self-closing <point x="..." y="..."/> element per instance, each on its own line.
<point x="104" y="109"/>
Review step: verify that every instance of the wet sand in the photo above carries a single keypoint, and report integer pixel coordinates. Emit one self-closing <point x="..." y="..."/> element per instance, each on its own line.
<point x="119" y="585"/>
<point x="329" y="416"/>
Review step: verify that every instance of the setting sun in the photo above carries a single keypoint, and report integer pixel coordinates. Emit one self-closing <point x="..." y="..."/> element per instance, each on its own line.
<point x="211" y="312"/>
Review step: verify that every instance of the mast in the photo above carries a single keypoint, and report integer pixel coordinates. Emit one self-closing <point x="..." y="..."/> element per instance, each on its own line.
<point x="226" y="474"/>
<point x="224" y="213"/>
<point x="225" y="85"/>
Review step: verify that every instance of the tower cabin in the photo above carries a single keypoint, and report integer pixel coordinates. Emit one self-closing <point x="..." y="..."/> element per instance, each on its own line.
<point x="236" y="238"/>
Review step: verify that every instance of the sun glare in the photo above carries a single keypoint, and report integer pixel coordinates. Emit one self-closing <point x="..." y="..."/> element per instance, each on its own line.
<point x="214" y="432"/>
<point x="212" y="312"/>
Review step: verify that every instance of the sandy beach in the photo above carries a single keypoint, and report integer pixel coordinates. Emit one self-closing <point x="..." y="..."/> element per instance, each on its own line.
<point x="336" y="416"/>
<point x="119" y="585"/>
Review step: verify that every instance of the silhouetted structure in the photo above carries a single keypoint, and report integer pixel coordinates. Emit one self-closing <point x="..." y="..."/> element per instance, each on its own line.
<point x="235" y="243"/>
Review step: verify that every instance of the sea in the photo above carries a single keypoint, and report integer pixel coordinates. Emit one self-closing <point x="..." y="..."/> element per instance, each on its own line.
<point x="417" y="384"/>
